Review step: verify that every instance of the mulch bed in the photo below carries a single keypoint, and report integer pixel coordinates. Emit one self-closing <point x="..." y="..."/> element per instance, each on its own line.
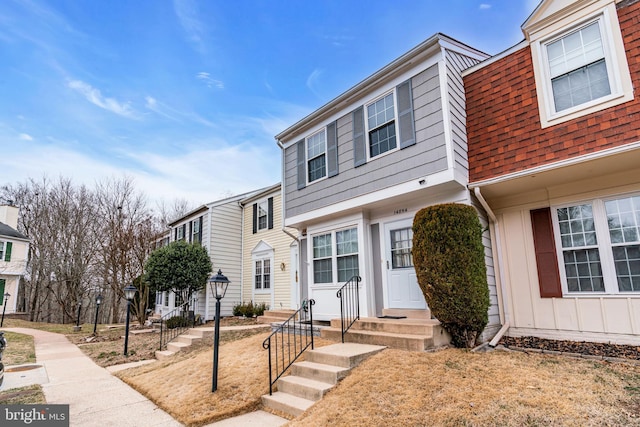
<point x="584" y="348"/>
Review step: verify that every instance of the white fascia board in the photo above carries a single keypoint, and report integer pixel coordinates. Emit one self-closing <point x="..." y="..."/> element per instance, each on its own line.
<point x="443" y="177"/>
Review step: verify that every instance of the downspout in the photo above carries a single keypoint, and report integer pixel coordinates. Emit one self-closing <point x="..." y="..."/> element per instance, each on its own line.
<point x="241" y="206"/>
<point x="494" y="233"/>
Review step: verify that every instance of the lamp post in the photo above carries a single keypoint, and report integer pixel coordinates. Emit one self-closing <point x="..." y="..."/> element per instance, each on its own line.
<point x="6" y="297"/>
<point x="219" y="284"/>
<point x="98" y="302"/>
<point x="129" y="293"/>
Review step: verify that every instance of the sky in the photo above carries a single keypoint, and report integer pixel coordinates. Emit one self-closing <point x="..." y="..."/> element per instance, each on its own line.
<point x="185" y="96"/>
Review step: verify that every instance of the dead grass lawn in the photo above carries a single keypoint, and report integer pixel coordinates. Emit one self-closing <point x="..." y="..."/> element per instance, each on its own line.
<point x="182" y="385"/>
<point x="30" y="395"/>
<point x="458" y="388"/>
<point x="20" y="349"/>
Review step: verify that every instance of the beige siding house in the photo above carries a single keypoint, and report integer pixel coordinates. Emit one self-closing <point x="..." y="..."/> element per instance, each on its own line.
<point x="269" y="253"/>
<point x="14" y="253"/>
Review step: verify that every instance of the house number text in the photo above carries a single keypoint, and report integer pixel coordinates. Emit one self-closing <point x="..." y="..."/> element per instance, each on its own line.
<point x="399" y="211"/>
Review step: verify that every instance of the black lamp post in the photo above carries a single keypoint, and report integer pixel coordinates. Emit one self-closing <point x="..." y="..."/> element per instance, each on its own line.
<point x="6" y="297"/>
<point x="219" y="284"/>
<point x="98" y="302"/>
<point x="129" y="293"/>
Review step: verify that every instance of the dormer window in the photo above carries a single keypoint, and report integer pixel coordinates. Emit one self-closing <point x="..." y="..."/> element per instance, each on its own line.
<point x="578" y="67"/>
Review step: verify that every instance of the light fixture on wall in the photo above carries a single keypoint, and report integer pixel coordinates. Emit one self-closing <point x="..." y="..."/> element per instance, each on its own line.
<point x="283" y="266"/>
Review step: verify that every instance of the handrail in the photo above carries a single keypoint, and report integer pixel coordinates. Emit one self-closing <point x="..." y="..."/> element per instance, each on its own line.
<point x="168" y="334"/>
<point x="349" y="295"/>
<point x="289" y="341"/>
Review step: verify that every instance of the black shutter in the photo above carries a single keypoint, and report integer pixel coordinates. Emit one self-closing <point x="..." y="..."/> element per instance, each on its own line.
<point x="255" y="218"/>
<point x="302" y="165"/>
<point x="190" y="231"/>
<point x="184" y="231"/>
<point x="175" y="233"/>
<point x="546" y="257"/>
<point x="7" y="251"/>
<point x="270" y="213"/>
<point x="200" y="231"/>
<point x="359" y="140"/>
<point x="332" y="149"/>
<point x="406" y="125"/>
<point x="2" y="282"/>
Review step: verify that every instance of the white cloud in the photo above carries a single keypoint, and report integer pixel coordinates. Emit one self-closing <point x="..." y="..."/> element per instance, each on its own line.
<point x="312" y="81"/>
<point x="173" y="114"/>
<point x="187" y="13"/>
<point x="210" y="82"/>
<point x="484" y="6"/>
<point x="25" y="137"/>
<point x="94" y="96"/>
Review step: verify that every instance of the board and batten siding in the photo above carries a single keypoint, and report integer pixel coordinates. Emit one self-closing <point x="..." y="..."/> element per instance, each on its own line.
<point x="279" y="295"/>
<point x="225" y="243"/>
<point x="456" y="63"/>
<point x="427" y="156"/>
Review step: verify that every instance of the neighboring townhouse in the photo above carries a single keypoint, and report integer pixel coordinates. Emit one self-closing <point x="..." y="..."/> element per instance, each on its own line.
<point x="14" y="254"/>
<point x="218" y="227"/>
<point x="269" y="253"/>
<point x="356" y="171"/>
<point x="554" y="148"/>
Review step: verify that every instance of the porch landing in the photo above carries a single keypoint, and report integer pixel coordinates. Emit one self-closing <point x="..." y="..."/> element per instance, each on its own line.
<point x="415" y="332"/>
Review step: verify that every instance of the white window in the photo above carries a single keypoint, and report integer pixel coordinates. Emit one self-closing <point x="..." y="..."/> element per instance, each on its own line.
<point x="381" y="125"/>
<point x="316" y="156"/>
<point x="262" y="274"/>
<point x="195" y="231"/>
<point x="599" y="245"/>
<point x="335" y="252"/>
<point x="263" y="215"/>
<point x="582" y="69"/>
<point x="1" y="250"/>
<point x="180" y="233"/>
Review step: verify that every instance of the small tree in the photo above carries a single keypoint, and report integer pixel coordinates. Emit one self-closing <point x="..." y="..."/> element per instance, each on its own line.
<point x="449" y="260"/>
<point x="179" y="267"/>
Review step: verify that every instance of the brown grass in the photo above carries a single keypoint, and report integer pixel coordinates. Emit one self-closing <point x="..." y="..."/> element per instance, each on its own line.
<point x="30" y="395"/>
<point x="182" y="385"/>
<point x="458" y="388"/>
<point x="20" y="349"/>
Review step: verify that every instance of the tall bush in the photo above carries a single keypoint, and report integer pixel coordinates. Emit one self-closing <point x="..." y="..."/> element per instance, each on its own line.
<point x="449" y="260"/>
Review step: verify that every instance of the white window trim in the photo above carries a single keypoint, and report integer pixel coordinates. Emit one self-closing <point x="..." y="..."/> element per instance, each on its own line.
<point x="395" y="124"/>
<point x="307" y="159"/>
<point x="266" y="203"/>
<point x="261" y="256"/>
<point x="334" y="254"/>
<point x="616" y="62"/>
<point x="3" y="246"/>
<point x="604" y="248"/>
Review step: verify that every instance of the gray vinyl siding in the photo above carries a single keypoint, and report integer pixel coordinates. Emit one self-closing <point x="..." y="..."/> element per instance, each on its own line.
<point x="494" y="314"/>
<point x="455" y="64"/>
<point x="225" y="250"/>
<point x="427" y="156"/>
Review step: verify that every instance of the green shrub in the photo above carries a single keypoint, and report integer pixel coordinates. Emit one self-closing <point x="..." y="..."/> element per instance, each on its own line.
<point x="177" y="322"/>
<point x="449" y="260"/>
<point x="249" y="309"/>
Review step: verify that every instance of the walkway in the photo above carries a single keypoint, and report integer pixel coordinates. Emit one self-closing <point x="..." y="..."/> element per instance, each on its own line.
<point x="95" y="397"/>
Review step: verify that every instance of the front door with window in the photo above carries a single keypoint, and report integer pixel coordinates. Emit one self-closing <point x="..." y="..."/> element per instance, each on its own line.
<point x="402" y="283"/>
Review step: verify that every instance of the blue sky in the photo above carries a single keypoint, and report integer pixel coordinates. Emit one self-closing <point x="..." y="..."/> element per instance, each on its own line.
<point x="185" y="96"/>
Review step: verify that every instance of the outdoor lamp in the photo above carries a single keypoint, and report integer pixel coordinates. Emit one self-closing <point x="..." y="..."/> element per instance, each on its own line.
<point x="98" y="302"/>
<point x="6" y="297"/>
<point x="129" y="293"/>
<point x="219" y="284"/>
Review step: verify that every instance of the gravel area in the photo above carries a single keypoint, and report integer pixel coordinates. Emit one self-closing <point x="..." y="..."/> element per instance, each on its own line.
<point x="583" y="348"/>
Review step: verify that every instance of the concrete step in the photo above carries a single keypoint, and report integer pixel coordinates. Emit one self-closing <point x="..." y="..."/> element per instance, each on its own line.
<point x="177" y="346"/>
<point x="275" y="316"/>
<point x="204" y="333"/>
<point x="319" y="371"/>
<point x="347" y="355"/>
<point x="303" y="387"/>
<point x="189" y="339"/>
<point x="269" y="319"/>
<point x="287" y="403"/>
<point x="423" y="327"/>
<point x="409" y="313"/>
<point x="393" y="340"/>
<point x="163" y="354"/>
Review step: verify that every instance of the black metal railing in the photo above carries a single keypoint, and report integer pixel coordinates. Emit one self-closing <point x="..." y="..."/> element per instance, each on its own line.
<point x="175" y="323"/>
<point x="289" y="341"/>
<point x="349" y="295"/>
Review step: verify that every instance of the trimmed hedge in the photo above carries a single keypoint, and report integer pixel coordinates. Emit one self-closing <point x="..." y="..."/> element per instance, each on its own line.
<point x="449" y="260"/>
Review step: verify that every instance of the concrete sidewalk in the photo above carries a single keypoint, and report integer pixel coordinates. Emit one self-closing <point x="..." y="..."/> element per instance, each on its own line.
<point x="95" y="397"/>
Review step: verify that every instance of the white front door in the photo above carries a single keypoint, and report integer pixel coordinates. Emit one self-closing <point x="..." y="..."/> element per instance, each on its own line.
<point x="295" y="281"/>
<point x="402" y="284"/>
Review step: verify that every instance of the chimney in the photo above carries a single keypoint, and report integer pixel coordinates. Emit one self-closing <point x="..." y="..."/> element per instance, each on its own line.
<point x="9" y="215"/>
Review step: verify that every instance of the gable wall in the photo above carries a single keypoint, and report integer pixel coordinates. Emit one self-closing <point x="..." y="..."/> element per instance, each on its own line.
<point x="504" y="131"/>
